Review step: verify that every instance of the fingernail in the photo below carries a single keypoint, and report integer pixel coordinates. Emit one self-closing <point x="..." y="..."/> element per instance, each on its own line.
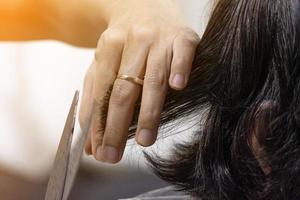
<point x="146" y="137"/>
<point x="110" y="154"/>
<point x="178" y="81"/>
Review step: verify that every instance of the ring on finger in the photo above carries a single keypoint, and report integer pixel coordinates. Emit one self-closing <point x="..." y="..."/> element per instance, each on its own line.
<point x="133" y="79"/>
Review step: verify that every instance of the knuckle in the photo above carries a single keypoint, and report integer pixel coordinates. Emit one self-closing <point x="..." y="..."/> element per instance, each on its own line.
<point x="115" y="141"/>
<point x="114" y="137"/>
<point x="112" y="37"/>
<point x="190" y="36"/>
<point x="110" y="43"/>
<point x="142" y="32"/>
<point x="150" y="118"/>
<point x="113" y="134"/>
<point x="121" y="94"/>
<point x="156" y="79"/>
<point x="180" y="62"/>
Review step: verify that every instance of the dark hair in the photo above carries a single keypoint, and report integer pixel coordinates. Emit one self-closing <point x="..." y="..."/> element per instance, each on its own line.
<point x="247" y="74"/>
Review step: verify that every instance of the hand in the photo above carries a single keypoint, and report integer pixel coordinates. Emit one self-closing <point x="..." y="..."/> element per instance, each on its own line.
<point x="144" y="38"/>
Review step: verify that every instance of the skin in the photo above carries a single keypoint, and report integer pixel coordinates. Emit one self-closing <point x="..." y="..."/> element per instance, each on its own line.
<point x="141" y="38"/>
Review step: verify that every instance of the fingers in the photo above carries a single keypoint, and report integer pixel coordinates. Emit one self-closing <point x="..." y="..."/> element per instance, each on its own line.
<point x="108" y="58"/>
<point x="184" y="48"/>
<point x="122" y="102"/>
<point x="114" y="99"/>
<point x="86" y="102"/>
<point x="153" y="97"/>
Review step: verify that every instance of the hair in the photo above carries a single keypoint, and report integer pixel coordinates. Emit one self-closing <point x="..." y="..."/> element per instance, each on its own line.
<point x="247" y="74"/>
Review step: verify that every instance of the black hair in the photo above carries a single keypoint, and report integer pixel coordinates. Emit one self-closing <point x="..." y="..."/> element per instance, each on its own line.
<point x="247" y="74"/>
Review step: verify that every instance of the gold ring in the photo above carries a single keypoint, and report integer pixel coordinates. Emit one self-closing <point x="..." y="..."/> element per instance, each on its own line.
<point x="136" y="80"/>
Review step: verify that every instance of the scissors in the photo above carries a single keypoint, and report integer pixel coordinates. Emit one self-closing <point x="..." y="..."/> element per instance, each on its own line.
<point x="67" y="157"/>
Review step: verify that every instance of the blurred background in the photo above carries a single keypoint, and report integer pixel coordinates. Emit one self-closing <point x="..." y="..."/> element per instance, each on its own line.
<point x="37" y="83"/>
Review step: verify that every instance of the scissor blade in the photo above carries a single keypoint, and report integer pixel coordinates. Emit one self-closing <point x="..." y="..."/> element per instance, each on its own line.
<point x="76" y="154"/>
<point x="56" y="184"/>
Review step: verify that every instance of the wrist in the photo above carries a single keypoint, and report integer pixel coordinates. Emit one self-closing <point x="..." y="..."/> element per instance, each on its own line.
<point x="152" y="9"/>
<point x="79" y="22"/>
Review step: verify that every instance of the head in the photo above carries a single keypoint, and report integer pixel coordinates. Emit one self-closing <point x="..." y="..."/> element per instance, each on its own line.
<point x="247" y="74"/>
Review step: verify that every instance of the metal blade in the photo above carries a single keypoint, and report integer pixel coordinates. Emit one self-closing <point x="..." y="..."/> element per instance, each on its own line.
<point x="57" y="180"/>
<point x="76" y="154"/>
